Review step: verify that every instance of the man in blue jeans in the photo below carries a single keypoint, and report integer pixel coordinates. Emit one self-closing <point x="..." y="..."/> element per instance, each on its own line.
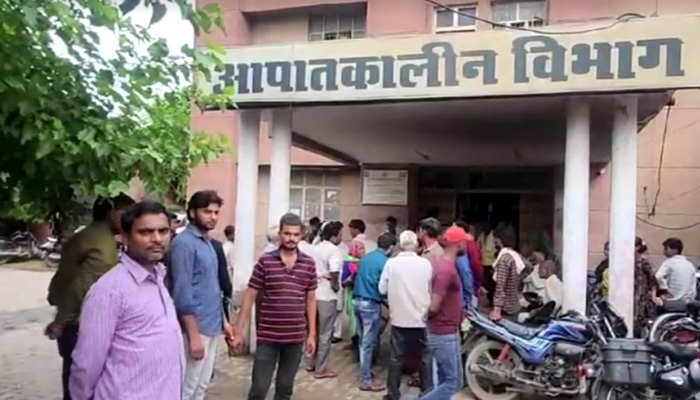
<point x="368" y="307"/>
<point x="444" y="318"/>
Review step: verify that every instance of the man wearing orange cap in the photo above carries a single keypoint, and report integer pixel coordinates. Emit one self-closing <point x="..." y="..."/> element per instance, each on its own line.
<point x="445" y="316"/>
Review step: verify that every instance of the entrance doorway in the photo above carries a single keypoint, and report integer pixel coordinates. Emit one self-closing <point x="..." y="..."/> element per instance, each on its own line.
<point x="486" y="210"/>
<point x="522" y="198"/>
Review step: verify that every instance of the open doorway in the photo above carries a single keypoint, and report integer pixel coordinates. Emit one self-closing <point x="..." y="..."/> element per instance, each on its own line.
<point x="485" y="210"/>
<point x="523" y="198"/>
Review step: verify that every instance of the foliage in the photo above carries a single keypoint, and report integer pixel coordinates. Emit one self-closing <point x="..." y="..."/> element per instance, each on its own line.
<point x="168" y="124"/>
<point x="87" y="123"/>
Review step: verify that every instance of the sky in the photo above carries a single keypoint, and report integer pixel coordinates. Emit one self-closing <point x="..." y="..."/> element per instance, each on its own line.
<point x="172" y="27"/>
<point x="176" y="31"/>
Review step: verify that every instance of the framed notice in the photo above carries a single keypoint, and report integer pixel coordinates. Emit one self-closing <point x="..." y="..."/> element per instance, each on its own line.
<point x="386" y="187"/>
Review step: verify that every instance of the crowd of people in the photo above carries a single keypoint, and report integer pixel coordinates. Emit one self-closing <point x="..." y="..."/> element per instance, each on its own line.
<point x="141" y="308"/>
<point x="673" y="281"/>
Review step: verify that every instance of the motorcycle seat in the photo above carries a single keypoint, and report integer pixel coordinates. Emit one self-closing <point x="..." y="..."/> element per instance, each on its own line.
<point x="694" y="308"/>
<point x="680" y="306"/>
<point x="676" y="352"/>
<point x="526" y="332"/>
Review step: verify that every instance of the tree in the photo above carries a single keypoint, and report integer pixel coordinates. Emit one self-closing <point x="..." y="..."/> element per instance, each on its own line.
<point x="88" y="124"/>
<point x="167" y="124"/>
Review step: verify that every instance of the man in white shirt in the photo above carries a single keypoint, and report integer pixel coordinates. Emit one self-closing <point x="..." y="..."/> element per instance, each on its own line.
<point x="229" y="247"/>
<point x="357" y="229"/>
<point x="273" y="241"/>
<point x="676" y="275"/>
<point x="406" y="280"/>
<point x="329" y="264"/>
<point x="553" y="287"/>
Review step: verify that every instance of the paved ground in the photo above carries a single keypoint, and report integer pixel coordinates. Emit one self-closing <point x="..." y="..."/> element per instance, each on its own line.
<point x="231" y="381"/>
<point x="30" y="366"/>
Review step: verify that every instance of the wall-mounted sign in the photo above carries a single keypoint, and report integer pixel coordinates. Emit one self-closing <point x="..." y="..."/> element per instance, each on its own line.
<point x="634" y="55"/>
<point x="386" y="187"/>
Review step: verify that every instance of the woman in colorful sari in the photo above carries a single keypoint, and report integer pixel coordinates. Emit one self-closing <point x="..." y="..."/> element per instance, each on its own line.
<point x="644" y="287"/>
<point x="356" y="249"/>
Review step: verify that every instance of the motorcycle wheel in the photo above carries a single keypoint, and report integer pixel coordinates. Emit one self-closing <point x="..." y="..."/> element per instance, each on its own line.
<point x="606" y="391"/>
<point x="52" y="263"/>
<point x="482" y="388"/>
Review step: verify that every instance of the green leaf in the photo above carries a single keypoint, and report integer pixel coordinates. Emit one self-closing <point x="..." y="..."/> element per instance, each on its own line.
<point x="95" y="37"/>
<point x="215" y="47"/>
<point x="185" y="71"/>
<point x="204" y="20"/>
<point x="158" y="13"/>
<point x="115" y="187"/>
<point x="13" y="82"/>
<point x="45" y="147"/>
<point x="105" y="77"/>
<point x="128" y="6"/>
<point x="30" y="168"/>
<point x="229" y="91"/>
<point x="212" y="8"/>
<point x="159" y="49"/>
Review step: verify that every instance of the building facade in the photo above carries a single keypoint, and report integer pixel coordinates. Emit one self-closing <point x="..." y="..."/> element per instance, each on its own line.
<point x="486" y="157"/>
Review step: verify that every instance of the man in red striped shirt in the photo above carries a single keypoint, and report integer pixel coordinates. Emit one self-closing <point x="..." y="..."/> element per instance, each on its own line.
<point x="287" y="312"/>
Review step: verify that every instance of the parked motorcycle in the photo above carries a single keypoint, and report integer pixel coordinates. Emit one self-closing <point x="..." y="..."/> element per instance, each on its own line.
<point x="637" y="369"/>
<point x="678" y="322"/>
<point x="558" y="358"/>
<point x="19" y="246"/>
<point x="51" y="252"/>
<point x="537" y="311"/>
<point x="604" y="315"/>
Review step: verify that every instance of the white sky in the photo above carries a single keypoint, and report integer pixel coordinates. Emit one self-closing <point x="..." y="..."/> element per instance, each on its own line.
<point x="172" y="27"/>
<point x="176" y="31"/>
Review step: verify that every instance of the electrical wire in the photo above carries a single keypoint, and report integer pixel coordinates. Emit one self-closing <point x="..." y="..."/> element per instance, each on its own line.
<point x="622" y="18"/>
<point x="669" y="228"/>
<point x="678" y="196"/>
<point x="661" y="163"/>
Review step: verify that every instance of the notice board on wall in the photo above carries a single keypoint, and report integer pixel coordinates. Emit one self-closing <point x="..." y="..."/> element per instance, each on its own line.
<point x="385" y="187"/>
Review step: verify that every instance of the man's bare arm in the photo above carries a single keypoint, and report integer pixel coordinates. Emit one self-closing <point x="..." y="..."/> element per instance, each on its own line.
<point x="189" y="321"/>
<point x="311" y="311"/>
<point x="244" y="315"/>
<point x="435" y="304"/>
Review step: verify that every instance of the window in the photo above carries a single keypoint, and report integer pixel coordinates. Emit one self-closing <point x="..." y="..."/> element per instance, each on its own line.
<point x="519" y="14"/>
<point x="315" y="193"/>
<point x="337" y="26"/>
<point x="456" y="19"/>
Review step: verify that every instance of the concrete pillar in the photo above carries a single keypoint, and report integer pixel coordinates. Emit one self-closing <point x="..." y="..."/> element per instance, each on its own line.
<point x="575" y="209"/>
<point x="247" y="189"/>
<point x="280" y="167"/>
<point x="623" y="207"/>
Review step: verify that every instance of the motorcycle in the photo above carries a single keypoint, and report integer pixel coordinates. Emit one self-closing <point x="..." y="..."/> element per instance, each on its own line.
<point x="19" y="246"/>
<point x="638" y="369"/>
<point x="677" y="322"/>
<point x="51" y="252"/>
<point x="558" y="358"/>
<point x="604" y="315"/>
<point x="536" y="313"/>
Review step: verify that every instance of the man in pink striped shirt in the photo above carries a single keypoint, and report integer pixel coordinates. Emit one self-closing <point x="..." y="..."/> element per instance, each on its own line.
<point x="130" y="344"/>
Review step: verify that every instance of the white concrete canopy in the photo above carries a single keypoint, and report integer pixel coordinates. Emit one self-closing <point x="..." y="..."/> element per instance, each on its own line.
<point x="486" y="132"/>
